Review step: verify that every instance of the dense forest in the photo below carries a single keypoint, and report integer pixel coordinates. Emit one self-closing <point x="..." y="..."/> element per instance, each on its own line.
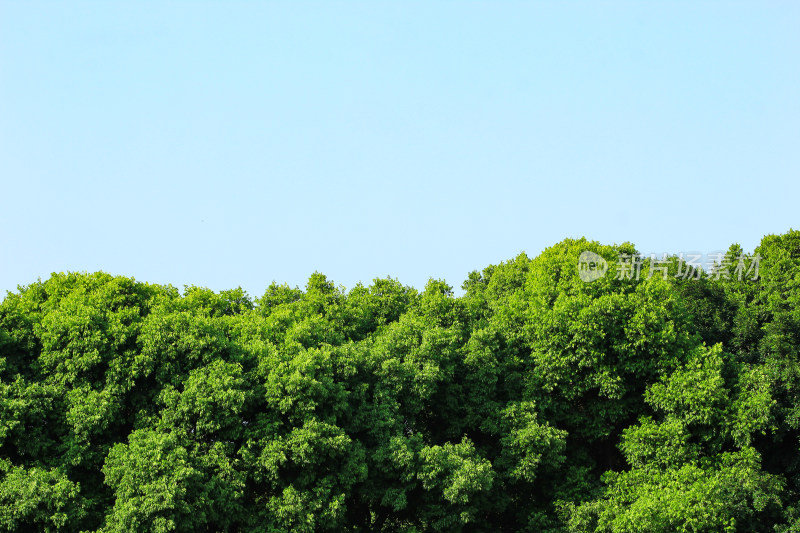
<point x="536" y="401"/>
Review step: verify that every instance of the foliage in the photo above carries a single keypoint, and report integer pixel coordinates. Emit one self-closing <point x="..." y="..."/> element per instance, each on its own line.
<point x="534" y="402"/>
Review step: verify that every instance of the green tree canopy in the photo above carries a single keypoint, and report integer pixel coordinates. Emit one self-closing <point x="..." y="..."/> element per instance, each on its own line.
<point x="536" y="401"/>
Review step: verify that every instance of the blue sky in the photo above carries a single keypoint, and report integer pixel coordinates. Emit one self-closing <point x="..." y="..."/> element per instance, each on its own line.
<point x="227" y="144"/>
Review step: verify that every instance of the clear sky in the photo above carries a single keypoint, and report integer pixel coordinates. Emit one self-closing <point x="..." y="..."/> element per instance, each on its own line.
<point x="227" y="144"/>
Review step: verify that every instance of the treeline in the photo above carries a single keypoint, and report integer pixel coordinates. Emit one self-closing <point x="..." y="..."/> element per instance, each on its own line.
<point x="534" y="402"/>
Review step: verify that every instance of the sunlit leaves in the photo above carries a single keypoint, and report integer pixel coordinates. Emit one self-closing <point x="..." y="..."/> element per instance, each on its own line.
<point x="535" y="402"/>
<point x="37" y="499"/>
